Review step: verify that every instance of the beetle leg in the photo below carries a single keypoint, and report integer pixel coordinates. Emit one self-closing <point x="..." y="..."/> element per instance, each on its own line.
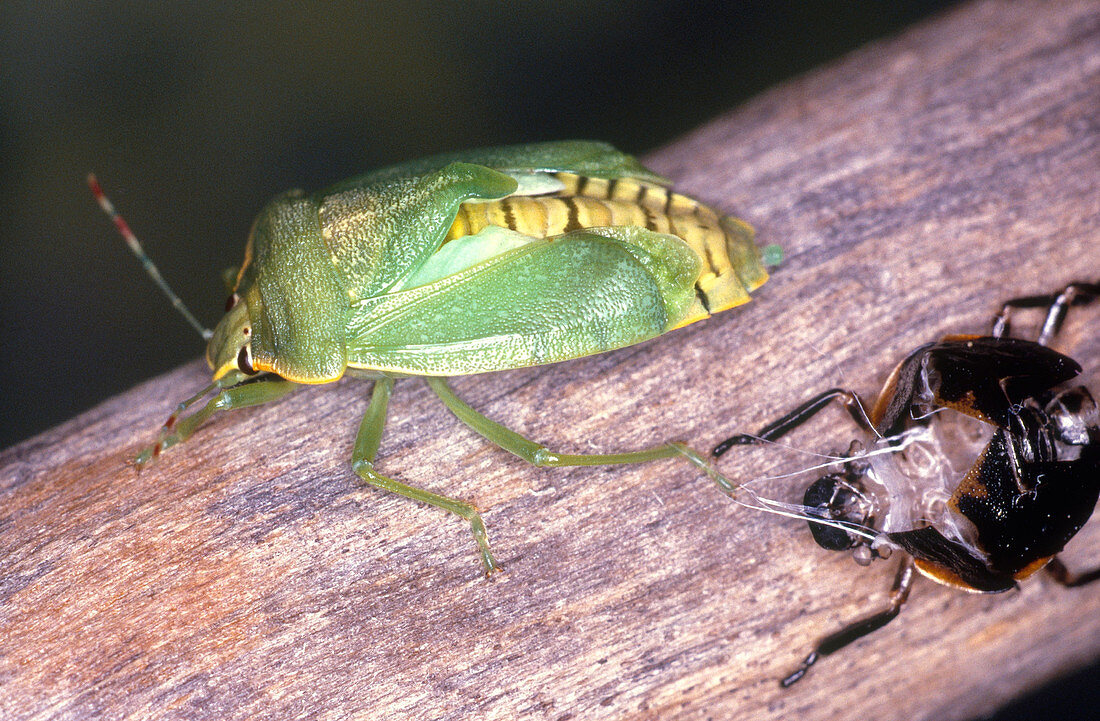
<point x="362" y="462"/>
<point x="832" y="643"/>
<point x="239" y="396"/>
<point x="1068" y="578"/>
<point x="781" y="427"/>
<point x="1057" y="304"/>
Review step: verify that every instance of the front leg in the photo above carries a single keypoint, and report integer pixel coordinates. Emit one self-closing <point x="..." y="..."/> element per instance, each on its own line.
<point x="1057" y="305"/>
<point x="807" y="410"/>
<point x="251" y="393"/>
<point x="1071" y="579"/>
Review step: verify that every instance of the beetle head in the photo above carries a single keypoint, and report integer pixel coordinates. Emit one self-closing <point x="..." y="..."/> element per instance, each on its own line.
<point x="836" y="498"/>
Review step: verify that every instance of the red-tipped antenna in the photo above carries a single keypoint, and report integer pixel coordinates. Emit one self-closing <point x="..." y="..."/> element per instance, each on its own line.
<point x="146" y="262"/>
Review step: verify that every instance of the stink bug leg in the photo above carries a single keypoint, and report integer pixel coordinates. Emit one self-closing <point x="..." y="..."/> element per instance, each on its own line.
<point x="362" y="462"/>
<point x="370" y="435"/>
<point x="1002" y="406"/>
<point x="242" y="395"/>
<point x="540" y="455"/>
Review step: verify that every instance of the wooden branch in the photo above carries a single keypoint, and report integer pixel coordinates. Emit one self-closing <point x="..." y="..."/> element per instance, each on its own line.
<point x="913" y="185"/>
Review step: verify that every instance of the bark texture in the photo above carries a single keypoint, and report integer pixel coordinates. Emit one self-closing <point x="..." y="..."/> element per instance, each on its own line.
<point x="913" y="185"/>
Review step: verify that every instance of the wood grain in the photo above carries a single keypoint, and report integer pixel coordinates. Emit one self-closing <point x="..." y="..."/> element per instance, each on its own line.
<point x="914" y="185"/>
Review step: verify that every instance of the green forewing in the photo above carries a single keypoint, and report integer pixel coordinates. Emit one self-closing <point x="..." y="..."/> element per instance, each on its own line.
<point x="462" y="253"/>
<point x="379" y="233"/>
<point x="553" y="299"/>
<point x="667" y="258"/>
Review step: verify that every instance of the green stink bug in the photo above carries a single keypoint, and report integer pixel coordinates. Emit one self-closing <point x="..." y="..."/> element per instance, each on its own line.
<point x="479" y="261"/>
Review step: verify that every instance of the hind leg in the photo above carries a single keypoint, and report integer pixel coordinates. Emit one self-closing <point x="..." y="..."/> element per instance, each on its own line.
<point x="1057" y="305"/>
<point x="856" y="630"/>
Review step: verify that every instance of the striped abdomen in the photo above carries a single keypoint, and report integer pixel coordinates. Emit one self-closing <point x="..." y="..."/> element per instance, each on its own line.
<point x="730" y="259"/>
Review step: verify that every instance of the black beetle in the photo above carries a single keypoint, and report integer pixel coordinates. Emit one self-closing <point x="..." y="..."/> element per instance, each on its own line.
<point x="978" y="525"/>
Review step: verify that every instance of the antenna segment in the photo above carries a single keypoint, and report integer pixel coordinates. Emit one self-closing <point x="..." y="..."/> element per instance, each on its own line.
<point x="146" y="261"/>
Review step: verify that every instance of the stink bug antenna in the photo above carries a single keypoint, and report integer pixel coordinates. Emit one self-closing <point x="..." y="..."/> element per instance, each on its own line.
<point x="146" y="261"/>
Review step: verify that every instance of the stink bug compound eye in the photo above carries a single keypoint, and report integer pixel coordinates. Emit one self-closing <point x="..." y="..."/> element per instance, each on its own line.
<point x="981" y="461"/>
<point x="446" y="266"/>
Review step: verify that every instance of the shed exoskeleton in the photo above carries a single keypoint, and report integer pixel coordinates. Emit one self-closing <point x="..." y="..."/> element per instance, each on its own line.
<point x="984" y="462"/>
<point x="464" y="263"/>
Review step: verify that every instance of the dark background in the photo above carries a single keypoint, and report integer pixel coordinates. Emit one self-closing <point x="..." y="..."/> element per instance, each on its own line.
<point x="194" y="116"/>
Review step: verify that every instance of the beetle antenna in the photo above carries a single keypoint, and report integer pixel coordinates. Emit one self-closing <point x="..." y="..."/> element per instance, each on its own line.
<point x="802" y="513"/>
<point x="749" y="498"/>
<point x="899" y="442"/>
<point x="146" y="261"/>
<point x="829" y="458"/>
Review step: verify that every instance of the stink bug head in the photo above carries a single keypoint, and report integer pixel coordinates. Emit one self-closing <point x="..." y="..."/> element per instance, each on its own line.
<point x="287" y="313"/>
<point x="229" y="349"/>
